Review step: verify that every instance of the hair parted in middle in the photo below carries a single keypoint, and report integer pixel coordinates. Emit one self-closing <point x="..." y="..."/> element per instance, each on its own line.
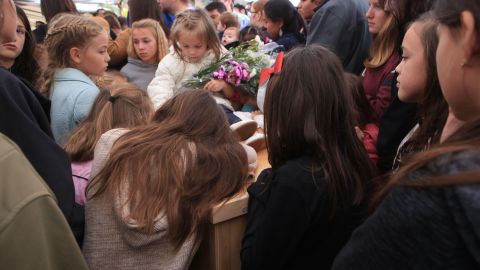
<point x="197" y="22"/>
<point x="65" y="32"/>
<point x="175" y="166"/>
<point x="158" y="34"/>
<point x="120" y="106"/>
<point x="308" y="112"/>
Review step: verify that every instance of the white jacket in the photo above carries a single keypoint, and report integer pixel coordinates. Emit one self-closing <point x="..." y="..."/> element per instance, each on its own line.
<point x="171" y="74"/>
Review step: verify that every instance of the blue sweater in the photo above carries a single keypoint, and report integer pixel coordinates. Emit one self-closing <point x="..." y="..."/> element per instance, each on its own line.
<point x="72" y="95"/>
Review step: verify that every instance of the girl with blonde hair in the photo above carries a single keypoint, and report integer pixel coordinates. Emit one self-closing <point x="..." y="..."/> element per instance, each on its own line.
<point x="148" y="45"/>
<point x="77" y="48"/>
<point x="123" y="106"/>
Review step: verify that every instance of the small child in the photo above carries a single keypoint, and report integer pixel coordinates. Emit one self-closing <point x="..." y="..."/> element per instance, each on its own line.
<point x="231" y="37"/>
<point x="227" y="20"/>
<point x="195" y="45"/>
<point x="123" y="106"/>
<point x="77" y="48"/>
<point x="148" y="45"/>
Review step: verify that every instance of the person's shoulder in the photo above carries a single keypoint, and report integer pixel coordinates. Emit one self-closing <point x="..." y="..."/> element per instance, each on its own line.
<point x="451" y="163"/>
<point x="20" y="183"/>
<point x="300" y="172"/>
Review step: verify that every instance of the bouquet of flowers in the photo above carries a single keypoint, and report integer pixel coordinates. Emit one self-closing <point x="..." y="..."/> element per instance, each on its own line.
<point x="240" y="67"/>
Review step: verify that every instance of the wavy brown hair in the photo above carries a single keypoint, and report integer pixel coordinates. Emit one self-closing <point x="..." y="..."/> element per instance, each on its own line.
<point x="199" y="22"/>
<point x="121" y="106"/>
<point x="308" y="113"/>
<point x="181" y="165"/>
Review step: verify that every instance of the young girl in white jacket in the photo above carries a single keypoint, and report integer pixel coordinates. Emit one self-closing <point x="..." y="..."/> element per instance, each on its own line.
<point x="195" y="45"/>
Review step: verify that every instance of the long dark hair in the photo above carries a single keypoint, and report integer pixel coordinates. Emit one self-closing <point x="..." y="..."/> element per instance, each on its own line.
<point x="308" y="113"/>
<point x="50" y="8"/>
<point x="26" y="65"/>
<point x="433" y="107"/>
<point x="181" y="165"/>
<point x="466" y="138"/>
<point x="147" y="9"/>
<point x="283" y="10"/>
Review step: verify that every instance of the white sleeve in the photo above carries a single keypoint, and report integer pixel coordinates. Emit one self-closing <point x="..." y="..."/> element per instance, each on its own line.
<point x="161" y="88"/>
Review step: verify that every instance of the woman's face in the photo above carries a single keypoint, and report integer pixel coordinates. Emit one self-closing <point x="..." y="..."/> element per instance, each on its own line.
<point x="256" y="17"/>
<point x="376" y="17"/>
<point x="8" y="21"/>
<point x="457" y="75"/>
<point x="412" y="70"/>
<point x="273" y="28"/>
<point x="11" y="50"/>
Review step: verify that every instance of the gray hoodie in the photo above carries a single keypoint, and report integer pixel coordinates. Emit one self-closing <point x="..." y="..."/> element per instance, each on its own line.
<point x="139" y="73"/>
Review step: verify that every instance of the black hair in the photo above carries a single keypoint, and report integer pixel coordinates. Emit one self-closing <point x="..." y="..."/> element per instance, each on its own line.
<point x="216" y="6"/>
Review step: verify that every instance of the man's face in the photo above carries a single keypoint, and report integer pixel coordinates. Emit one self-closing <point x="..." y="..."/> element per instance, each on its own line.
<point x="215" y="16"/>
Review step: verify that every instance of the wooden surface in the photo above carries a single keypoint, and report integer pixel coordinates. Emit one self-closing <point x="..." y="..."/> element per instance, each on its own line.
<point x="220" y="249"/>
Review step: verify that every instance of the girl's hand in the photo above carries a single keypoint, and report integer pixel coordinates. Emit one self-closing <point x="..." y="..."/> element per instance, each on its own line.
<point x="215" y="85"/>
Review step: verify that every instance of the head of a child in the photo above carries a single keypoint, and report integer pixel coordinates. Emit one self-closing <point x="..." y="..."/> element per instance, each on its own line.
<point x="230" y="35"/>
<point x="363" y="111"/>
<point x="304" y="117"/>
<point x="148" y="41"/>
<point x="228" y="19"/>
<point x="74" y="41"/>
<point x="122" y="105"/>
<point x="193" y="35"/>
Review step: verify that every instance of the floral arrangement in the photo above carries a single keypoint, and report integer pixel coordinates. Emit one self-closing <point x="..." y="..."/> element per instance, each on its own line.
<point x="240" y="67"/>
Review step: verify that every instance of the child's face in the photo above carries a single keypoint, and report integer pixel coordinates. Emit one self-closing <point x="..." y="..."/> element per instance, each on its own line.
<point x="145" y="45"/>
<point x="93" y="59"/>
<point x="192" y="46"/>
<point x="412" y="71"/>
<point x="12" y="50"/>
<point x="229" y="36"/>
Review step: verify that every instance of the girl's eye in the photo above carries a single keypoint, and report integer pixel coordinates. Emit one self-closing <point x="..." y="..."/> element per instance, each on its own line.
<point x="21" y="31"/>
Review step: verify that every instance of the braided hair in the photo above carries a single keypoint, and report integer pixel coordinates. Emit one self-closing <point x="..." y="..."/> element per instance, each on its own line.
<point x="65" y="32"/>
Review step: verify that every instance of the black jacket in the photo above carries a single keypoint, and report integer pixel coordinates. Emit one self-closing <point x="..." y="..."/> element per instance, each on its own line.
<point x="23" y="120"/>
<point x="422" y="228"/>
<point x="288" y="223"/>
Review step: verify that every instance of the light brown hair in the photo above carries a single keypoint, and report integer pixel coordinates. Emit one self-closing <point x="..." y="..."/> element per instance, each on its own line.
<point x="121" y="106"/>
<point x="181" y="165"/>
<point x="199" y="22"/>
<point x="384" y="43"/>
<point x="158" y="35"/>
<point x="229" y="20"/>
<point x="65" y="32"/>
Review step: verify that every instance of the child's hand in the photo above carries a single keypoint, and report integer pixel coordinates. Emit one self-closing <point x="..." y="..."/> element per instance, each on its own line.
<point x="215" y="85"/>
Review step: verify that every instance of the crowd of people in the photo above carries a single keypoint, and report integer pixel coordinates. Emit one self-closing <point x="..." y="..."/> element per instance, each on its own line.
<point x="369" y="119"/>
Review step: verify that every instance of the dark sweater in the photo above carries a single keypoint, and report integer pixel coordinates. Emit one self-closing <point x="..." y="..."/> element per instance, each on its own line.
<point x="422" y="228"/>
<point x="23" y="120"/>
<point x="341" y="26"/>
<point x="288" y="223"/>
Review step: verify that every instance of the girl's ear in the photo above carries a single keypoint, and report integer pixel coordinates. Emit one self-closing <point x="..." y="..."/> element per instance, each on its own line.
<point x="75" y="55"/>
<point x="470" y="39"/>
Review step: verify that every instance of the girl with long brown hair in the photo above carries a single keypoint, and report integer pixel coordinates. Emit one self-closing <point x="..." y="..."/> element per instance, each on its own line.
<point x="151" y="202"/>
<point x="429" y="217"/>
<point x="121" y="106"/>
<point x="303" y="210"/>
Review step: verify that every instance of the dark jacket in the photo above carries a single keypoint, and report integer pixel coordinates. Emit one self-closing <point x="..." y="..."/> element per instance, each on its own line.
<point x="422" y="228"/>
<point x="288" y="224"/>
<point x="290" y="41"/>
<point x="23" y="120"/>
<point x="341" y="26"/>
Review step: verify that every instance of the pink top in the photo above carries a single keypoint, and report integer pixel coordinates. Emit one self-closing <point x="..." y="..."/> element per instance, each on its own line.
<point x="81" y="174"/>
<point x="370" y="135"/>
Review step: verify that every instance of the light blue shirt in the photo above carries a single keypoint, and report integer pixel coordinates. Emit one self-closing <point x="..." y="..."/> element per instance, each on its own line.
<point x="73" y="94"/>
